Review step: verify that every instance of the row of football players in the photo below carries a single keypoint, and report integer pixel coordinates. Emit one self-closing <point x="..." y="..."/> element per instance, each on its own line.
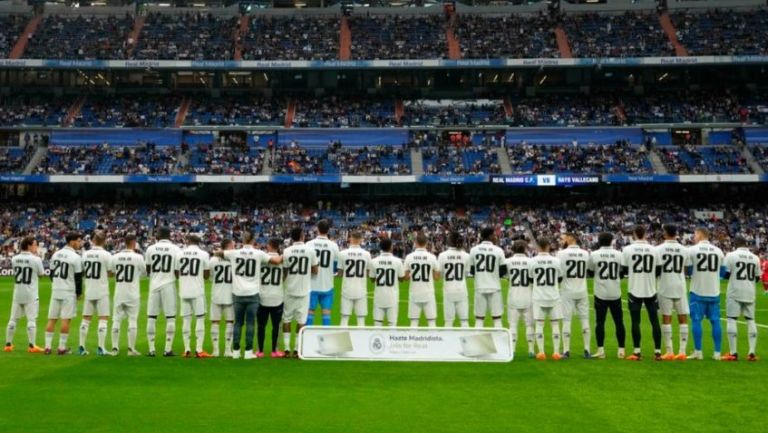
<point x="267" y="285"/>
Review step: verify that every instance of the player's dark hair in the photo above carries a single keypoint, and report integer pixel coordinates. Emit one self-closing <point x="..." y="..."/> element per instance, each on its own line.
<point x="274" y="243"/>
<point x="455" y="240"/>
<point x="572" y="235"/>
<point x="386" y="245"/>
<point x="487" y="233"/>
<point x="703" y="231"/>
<point x="421" y="239"/>
<point x="129" y="239"/>
<point x="543" y="243"/>
<point x="26" y="243"/>
<point x="248" y="238"/>
<point x="670" y="230"/>
<point x="639" y="231"/>
<point x="226" y="242"/>
<point x="163" y="232"/>
<point x="296" y="234"/>
<point x="520" y="247"/>
<point x="739" y="242"/>
<point x="99" y="237"/>
<point x="193" y="239"/>
<point x="323" y="226"/>
<point x="605" y="239"/>
<point x="73" y="236"/>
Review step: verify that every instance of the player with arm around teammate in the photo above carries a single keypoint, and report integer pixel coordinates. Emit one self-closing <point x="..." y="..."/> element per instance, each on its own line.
<point x="322" y="282"/>
<point x="743" y="273"/>
<point x="454" y="265"/>
<point x="67" y="285"/>
<point x="422" y="270"/>
<point x="672" y="291"/>
<point x="546" y="274"/>
<point x="159" y="258"/>
<point x="300" y="262"/>
<point x="221" y="300"/>
<point x="271" y="303"/>
<point x="487" y="262"/>
<point x="129" y="267"/>
<point x="386" y="271"/>
<point x="573" y="292"/>
<point x="706" y="261"/>
<point x="27" y="270"/>
<point x="96" y="281"/>
<point x="192" y="265"/>
<point x="519" y="297"/>
<point x="605" y="263"/>
<point x="354" y="263"/>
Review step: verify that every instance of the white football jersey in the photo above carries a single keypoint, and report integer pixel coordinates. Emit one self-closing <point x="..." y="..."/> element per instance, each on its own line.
<point x="606" y="264"/>
<point x="65" y="263"/>
<point x="486" y="260"/>
<point x="27" y="270"/>
<point x="641" y="260"/>
<point x="673" y="258"/>
<point x="221" y="288"/>
<point x="191" y="264"/>
<point x="96" y="273"/>
<point x="453" y="265"/>
<point x="744" y="267"/>
<point x="272" y="293"/>
<point x="574" y="261"/>
<point x="160" y="258"/>
<point x="386" y="271"/>
<point x="327" y="256"/>
<point x="246" y="269"/>
<point x="298" y="260"/>
<point x="354" y="263"/>
<point x="545" y="272"/>
<point x="519" y="274"/>
<point x="129" y="267"/>
<point x="706" y="260"/>
<point x="421" y="265"/>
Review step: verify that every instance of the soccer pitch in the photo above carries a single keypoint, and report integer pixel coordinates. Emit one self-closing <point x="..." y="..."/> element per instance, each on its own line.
<point x="90" y="394"/>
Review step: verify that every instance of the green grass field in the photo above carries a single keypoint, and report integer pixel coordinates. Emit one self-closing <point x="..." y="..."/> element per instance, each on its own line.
<point x="52" y="393"/>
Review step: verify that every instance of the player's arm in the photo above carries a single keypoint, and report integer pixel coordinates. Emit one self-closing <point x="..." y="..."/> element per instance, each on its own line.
<point x="435" y="271"/>
<point x="590" y="267"/>
<point x="78" y="284"/>
<point x="147" y="261"/>
<point x="503" y="269"/>
<point x="275" y="260"/>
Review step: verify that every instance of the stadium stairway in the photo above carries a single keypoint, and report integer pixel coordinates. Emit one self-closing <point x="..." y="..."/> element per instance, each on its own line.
<point x="508" y="110"/>
<point x="562" y="43"/>
<point x="74" y="110"/>
<point x="656" y="162"/>
<point x="269" y="157"/>
<point x="345" y="40"/>
<point x="181" y="115"/>
<point x="133" y="37"/>
<point x="751" y="161"/>
<point x="671" y="31"/>
<point x="417" y="162"/>
<point x="503" y="156"/>
<point x="39" y="155"/>
<point x="290" y="113"/>
<point x="240" y="34"/>
<point x="399" y="110"/>
<point x="21" y="43"/>
<point x="454" y="48"/>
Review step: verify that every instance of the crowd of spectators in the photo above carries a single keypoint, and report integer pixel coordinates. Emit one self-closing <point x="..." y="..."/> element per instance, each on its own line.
<point x="235" y="110"/>
<point x="189" y="36"/>
<point x="398" y="37"/>
<point x="292" y="38"/>
<point x="760" y="152"/>
<point x="630" y="34"/>
<point x="226" y="160"/>
<point x="697" y="159"/>
<point x="38" y="110"/>
<point x="454" y="112"/>
<point x="508" y="36"/>
<point x="11" y="27"/>
<point x="145" y="158"/>
<point x="81" y="37"/>
<point x="145" y="111"/>
<point x="723" y="32"/>
<point x="448" y="159"/>
<point x="15" y="159"/>
<point x="620" y="157"/>
<point x="337" y="159"/>
<point x="344" y="112"/>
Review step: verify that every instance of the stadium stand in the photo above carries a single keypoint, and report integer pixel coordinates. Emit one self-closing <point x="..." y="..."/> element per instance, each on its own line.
<point x="620" y="157"/>
<point x="11" y="27"/>
<point x="145" y="111"/>
<point x="235" y="110"/>
<point x="80" y="37"/>
<point x="292" y="38"/>
<point x="398" y="37"/>
<point x="190" y="36"/>
<point x="691" y="159"/>
<point x="335" y="112"/>
<point x="723" y="32"/>
<point x="596" y="35"/>
<point x="509" y="36"/>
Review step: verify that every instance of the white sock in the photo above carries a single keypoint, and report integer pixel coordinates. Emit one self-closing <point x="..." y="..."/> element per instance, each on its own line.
<point x="9" y="331"/>
<point x="132" y="331"/>
<point x="102" y="333"/>
<point x="170" y="333"/>
<point x="586" y="335"/>
<point x="378" y="323"/>
<point x="344" y="320"/>
<point x="392" y="324"/>
<point x="513" y="331"/>
<point x="464" y="323"/>
<point x="529" y="335"/>
<point x="540" y="335"/>
<point x="360" y="321"/>
<point x="151" y="331"/>
<point x="497" y="323"/>
<point x="48" y="339"/>
<point x="752" y="335"/>
<point x="63" y="340"/>
<point x="683" y="337"/>
<point x="32" y="332"/>
<point x="556" y="337"/>
<point x="566" y="336"/>
<point x="733" y="334"/>
<point x="414" y="323"/>
<point x="432" y="323"/>
<point x="186" y="331"/>
<point x="228" y="336"/>
<point x="116" y="334"/>
<point x="479" y="322"/>
<point x="666" y="332"/>
<point x="287" y="341"/>
<point x="200" y="333"/>
<point x="84" y="326"/>
<point x="215" y="336"/>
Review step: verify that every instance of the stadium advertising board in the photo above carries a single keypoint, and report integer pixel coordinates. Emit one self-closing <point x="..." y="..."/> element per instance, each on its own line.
<point x="405" y="344"/>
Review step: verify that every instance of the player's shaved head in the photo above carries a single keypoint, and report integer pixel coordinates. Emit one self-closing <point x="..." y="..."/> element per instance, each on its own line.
<point x="323" y="226"/>
<point x="670" y="231"/>
<point x="605" y="239"/>
<point x="355" y="237"/>
<point x="386" y="245"/>
<point x="455" y="240"/>
<point x="702" y="232"/>
<point x="297" y="234"/>
<point x="248" y="238"/>
<point x="273" y="244"/>
<point x="520" y="247"/>
<point x="544" y="244"/>
<point x="227" y="244"/>
<point x="740" y="242"/>
<point x="193" y="240"/>
<point x="639" y="232"/>
<point x="27" y="243"/>
<point x="130" y="241"/>
<point x="486" y="234"/>
<point x="163" y="232"/>
<point x="421" y="240"/>
<point x="99" y="238"/>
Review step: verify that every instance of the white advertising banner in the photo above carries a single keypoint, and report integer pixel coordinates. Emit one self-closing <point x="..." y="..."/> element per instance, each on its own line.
<point x="405" y="344"/>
